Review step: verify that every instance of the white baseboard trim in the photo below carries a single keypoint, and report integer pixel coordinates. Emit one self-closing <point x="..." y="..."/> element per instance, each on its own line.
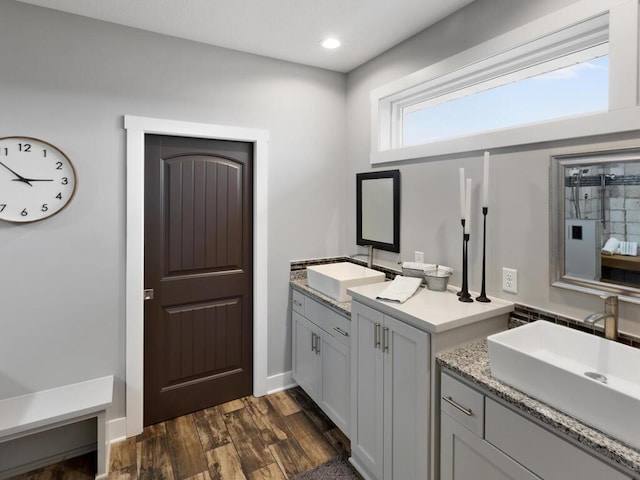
<point x="279" y="382"/>
<point x="117" y="430"/>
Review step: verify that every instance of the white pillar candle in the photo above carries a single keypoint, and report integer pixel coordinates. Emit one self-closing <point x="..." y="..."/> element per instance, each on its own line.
<point x="467" y="209"/>
<point x="462" y="204"/>
<point x="485" y="181"/>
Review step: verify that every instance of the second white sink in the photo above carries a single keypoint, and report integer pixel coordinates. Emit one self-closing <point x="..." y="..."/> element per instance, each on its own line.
<point x="333" y="279"/>
<point x="590" y="378"/>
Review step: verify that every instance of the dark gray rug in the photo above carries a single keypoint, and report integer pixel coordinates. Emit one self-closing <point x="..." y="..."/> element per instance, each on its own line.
<point x="337" y="468"/>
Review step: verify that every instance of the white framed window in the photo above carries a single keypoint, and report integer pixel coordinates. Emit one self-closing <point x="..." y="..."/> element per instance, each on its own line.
<point x="562" y="76"/>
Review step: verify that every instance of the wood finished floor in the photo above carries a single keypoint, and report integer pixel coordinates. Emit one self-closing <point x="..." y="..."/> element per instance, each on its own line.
<point x="272" y="437"/>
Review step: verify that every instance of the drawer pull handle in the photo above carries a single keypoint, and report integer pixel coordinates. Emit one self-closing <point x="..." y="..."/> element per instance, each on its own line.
<point x="467" y="411"/>
<point x="376" y="335"/>
<point x="297" y="303"/>
<point x="340" y="331"/>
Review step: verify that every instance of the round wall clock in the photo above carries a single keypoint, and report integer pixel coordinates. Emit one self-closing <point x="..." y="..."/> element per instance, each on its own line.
<point x="37" y="179"/>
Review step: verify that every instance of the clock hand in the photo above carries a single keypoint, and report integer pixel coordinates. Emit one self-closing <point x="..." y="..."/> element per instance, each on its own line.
<point x="27" y="180"/>
<point x="20" y="177"/>
<point x="24" y="179"/>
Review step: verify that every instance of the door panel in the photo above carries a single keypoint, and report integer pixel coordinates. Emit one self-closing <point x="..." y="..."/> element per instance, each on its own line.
<point x="202" y="341"/>
<point x="305" y="360"/>
<point x="367" y="395"/>
<point x="335" y="382"/>
<point x="465" y="456"/>
<point x="406" y="400"/>
<point x="198" y="260"/>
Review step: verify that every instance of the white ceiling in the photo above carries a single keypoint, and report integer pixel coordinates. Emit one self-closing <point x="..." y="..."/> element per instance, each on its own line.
<point x="285" y="29"/>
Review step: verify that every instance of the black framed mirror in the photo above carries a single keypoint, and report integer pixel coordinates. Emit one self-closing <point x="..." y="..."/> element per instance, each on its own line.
<point x="378" y="210"/>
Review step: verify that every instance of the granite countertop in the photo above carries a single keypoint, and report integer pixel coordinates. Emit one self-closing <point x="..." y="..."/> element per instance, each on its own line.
<point x="430" y="311"/>
<point x="471" y="362"/>
<point x="298" y="281"/>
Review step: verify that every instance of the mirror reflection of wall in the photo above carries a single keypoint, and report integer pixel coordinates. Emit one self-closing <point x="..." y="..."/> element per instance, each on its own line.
<point x="599" y="233"/>
<point x="377" y="214"/>
<point x="603" y="204"/>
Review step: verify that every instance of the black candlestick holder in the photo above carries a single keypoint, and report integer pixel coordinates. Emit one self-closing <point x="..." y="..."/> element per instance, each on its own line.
<point x="463" y="294"/>
<point x="483" y="294"/>
<point x="462" y="221"/>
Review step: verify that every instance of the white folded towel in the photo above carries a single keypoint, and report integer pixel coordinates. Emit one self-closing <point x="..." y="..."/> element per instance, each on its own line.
<point x="400" y="289"/>
<point x="611" y="246"/>
<point x="629" y="248"/>
<point x="414" y="265"/>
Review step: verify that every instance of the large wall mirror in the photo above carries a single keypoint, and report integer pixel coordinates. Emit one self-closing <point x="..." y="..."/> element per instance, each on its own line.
<point x="378" y="210"/>
<point x="595" y="221"/>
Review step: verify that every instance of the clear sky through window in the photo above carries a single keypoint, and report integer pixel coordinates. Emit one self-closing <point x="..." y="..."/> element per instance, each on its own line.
<point x="574" y="90"/>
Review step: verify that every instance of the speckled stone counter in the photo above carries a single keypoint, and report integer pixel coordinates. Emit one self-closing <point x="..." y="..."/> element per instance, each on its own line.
<point x="298" y="281"/>
<point x="471" y="362"/>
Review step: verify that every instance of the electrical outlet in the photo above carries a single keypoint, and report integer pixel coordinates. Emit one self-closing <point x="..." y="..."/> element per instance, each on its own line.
<point x="418" y="257"/>
<point x="510" y="280"/>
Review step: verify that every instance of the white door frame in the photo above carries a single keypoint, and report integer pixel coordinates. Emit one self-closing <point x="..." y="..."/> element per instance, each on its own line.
<point x="136" y="128"/>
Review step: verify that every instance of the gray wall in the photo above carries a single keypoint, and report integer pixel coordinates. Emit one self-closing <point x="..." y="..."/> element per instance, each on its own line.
<point x="69" y="80"/>
<point x="518" y="229"/>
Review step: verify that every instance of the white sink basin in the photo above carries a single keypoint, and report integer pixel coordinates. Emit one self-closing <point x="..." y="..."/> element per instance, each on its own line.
<point x="333" y="279"/>
<point x="550" y="362"/>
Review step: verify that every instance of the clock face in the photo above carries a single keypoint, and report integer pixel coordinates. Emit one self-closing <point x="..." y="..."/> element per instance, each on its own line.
<point x="37" y="180"/>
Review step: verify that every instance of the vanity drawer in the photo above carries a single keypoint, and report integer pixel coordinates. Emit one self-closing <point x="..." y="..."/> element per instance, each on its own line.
<point x="297" y="302"/>
<point x="331" y="322"/>
<point x="462" y="403"/>
<point x="340" y="328"/>
<point x="539" y="450"/>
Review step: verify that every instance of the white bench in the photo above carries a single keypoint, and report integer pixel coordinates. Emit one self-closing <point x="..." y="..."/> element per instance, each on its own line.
<point x="47" y="409"/>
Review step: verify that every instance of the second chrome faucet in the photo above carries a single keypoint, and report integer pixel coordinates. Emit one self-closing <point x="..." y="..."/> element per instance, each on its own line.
<point x="610" y="317"/>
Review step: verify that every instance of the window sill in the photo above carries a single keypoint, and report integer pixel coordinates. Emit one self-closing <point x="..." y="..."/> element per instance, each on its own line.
<point x="617" y="121"/>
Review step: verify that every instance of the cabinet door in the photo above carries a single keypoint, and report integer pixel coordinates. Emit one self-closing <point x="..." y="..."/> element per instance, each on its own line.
<point x="367" y="391"/>
<point x="406" y="401"/>
<point x="335" y="381"/>
<point x="305" y="360"/>
<point x="465" y="456"/>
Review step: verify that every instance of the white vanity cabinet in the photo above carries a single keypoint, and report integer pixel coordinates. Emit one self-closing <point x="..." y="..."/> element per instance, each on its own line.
<point x="395" y="381"/>
<point x="321" y="357"/>
<point x="481" y="438"/>
<point x="390" y="396"/>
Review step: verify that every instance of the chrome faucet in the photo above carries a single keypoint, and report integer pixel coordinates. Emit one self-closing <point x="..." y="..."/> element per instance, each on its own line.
<point x="369" y="255"/>
<point x="610" y="317"/>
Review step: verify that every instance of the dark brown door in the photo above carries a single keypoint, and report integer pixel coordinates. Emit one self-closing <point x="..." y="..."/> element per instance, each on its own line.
<point x="198" y="334"/>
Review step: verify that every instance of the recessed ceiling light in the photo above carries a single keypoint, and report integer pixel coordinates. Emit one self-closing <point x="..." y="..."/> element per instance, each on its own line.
<point x="331" y="43"/>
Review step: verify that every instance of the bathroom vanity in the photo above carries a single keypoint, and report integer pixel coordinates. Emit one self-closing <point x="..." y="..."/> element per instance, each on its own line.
<point x="321" y="358"/>
<point x="491" y="430"/>
<point x="395" y="383"/>
<point x="370" y="366"/>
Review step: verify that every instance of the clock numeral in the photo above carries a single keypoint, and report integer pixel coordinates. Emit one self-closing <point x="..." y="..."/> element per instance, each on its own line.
<point x="24" y="147"/>
<point x="59" y="196"/>
<point x="2" y="207"/>
<point x="44" y="153"/>
<point x="58" y="165"/>
<point x="65" y="181"/>
<point x="44" y="208"/>
<point x="6" y="151"/>
<point x="24" y="212"/>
